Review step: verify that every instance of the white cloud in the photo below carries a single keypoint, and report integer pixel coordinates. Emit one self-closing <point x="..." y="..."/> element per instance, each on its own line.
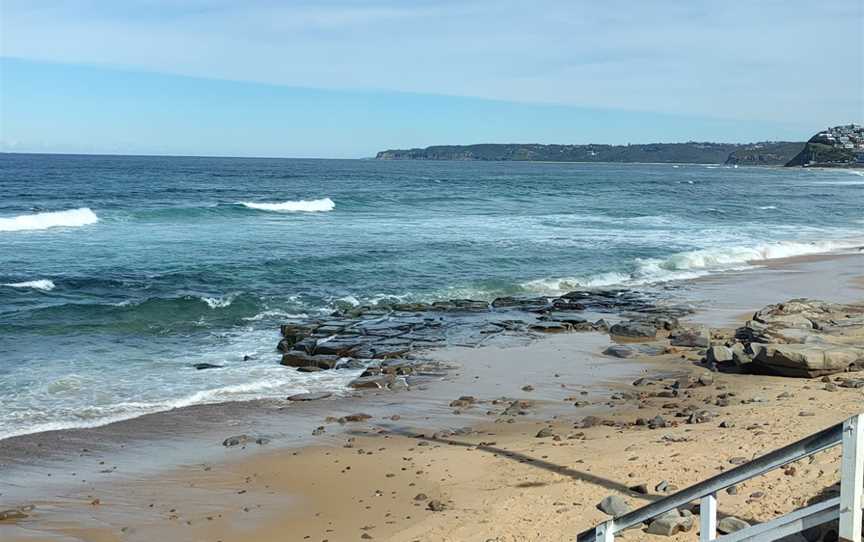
<point x="768" y="60"/>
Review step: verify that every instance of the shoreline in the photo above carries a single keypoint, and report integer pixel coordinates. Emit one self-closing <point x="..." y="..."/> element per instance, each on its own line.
<point x="399" y="414"/>
<point x="850" y="249"/>
<point x="128" y="448"/>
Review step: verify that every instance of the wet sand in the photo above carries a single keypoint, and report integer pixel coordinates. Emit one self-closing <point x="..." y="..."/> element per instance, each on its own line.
<point x="494" y="478"/>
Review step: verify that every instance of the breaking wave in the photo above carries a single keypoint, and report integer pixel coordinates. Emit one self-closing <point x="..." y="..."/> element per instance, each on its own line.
<point x="72" y="218"/>
<point x="691" y="264"/>
<point x="41" y="284"/>
<point x="301" y="206"/>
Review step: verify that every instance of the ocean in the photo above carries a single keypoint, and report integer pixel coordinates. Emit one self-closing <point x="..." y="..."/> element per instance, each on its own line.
<point x="118" y="274"/>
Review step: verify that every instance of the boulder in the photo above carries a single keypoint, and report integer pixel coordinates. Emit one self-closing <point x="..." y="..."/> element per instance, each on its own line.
<point x="740" y="356"/>
<point x="719" y="354"/>
<point x="373" y="382"/>
<point x="614" y="506"/>
<point x="298" y="358"/>
<point x="670" y="526"/>
<point x="730" y="524"/>
<point x="692" y="337"/>
<point x="807" y="360"/>
<point x="633" y="329"/>
<point x="340" y="346"/>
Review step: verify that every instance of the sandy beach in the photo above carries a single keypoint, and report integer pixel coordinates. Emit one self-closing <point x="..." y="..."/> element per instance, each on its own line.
<point x="543" y="431"/>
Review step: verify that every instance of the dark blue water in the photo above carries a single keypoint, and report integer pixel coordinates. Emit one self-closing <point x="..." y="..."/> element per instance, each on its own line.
<point x="118" y="273"/>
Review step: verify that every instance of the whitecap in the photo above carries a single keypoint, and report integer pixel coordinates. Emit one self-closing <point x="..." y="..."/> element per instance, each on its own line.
<point x="218" y="302"/>
<point x="41" y="284"/>
<point x="300" y="206"/>
<point x="767" y="207"/>
<point x="72" y="218"/>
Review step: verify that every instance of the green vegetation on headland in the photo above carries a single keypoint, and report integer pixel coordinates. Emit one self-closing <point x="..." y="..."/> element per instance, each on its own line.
<point x="771" y="153"/>
<point x="842" y="146"/>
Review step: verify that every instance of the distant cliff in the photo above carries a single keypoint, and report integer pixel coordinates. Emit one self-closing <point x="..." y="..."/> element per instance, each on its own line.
<point x="771" y="153"/>
<point x="839" y="146"/>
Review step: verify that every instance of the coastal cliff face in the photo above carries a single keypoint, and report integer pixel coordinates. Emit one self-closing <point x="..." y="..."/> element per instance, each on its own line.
<point x="769" y="153"/>
<point x="764" y="154"/>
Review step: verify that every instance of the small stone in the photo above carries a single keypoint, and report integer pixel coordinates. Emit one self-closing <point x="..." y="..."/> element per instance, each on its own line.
<point x="641" y="489"/>
<point x="420" y="497"/>
<point x="360" y="417"/>
<point x="528" y="387"/>
<point x="435" y="506"/>
<point x="544" y="433"/>
<point x="662" y="486"/>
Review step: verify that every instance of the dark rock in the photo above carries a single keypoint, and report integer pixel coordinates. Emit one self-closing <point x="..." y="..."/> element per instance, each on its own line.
<point x="633" y="329"/>
<point x="379" y="382"/>
<point x="619" y="351"/>
<point x="718" y="354"/>
<point x="657" y="422"/>
<point x="544" y="433"/>
<point x="244" y="439"/>
<point x="340" y="346"/>
<point x="360" y="417"/>
<point x="202" y="366"/>
<point x="641" y="489"/>
<point x="550" y="327"/>
<point x="297" y="358"/>
<point x="436" y="506"/>
<point x="696" y="337"/>
<point x="313" y="396"/>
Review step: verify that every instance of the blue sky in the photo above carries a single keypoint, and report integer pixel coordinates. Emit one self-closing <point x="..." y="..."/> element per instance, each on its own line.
<point x="345" y="78"/>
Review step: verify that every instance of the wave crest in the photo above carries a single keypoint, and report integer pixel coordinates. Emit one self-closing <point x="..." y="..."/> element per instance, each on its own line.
<point x="300" y="206"/>
<point x="691" y="264"/>
<point x="72" y="218"/>
<point x="41" y="284"/>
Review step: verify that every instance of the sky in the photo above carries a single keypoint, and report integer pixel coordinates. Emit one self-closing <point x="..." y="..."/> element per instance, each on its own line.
<point x="347" y="78"/>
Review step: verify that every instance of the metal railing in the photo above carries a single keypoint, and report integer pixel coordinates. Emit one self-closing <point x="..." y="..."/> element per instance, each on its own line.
<point x="847" y="507"/>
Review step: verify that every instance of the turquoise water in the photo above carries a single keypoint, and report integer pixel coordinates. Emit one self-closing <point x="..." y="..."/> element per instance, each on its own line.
<point x="119" y="273"/>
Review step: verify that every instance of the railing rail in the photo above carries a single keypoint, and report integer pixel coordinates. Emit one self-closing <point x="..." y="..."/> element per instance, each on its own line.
<point x="850" y="433"/>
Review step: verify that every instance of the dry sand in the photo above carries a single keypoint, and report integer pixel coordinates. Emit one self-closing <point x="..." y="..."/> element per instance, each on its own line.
<point x="499" y="481"/>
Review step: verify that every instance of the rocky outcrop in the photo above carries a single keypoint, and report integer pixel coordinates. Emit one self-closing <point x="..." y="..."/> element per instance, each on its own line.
<point x="382" y="338"/>
<point x="803" y="338"/>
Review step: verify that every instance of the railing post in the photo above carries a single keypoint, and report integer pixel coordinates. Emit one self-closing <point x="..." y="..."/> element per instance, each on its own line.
<point x="852" y="479"/>
<point x="605" y="532"/>
<point x="708" y="518"/>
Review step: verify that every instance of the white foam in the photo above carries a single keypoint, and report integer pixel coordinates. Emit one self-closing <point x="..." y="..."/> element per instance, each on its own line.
<point x="41" y="221"/>
<point x="301" y="206"/>
<point x="692" y="264"/>
<point x="218" y="302"/>
<point x="278" y="384"/>
<point x="41" y="284"/>
<point x="767" y="207"/>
